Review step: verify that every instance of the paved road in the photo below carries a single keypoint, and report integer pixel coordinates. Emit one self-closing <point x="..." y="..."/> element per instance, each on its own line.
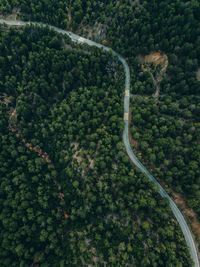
<point x="132" y="156"/>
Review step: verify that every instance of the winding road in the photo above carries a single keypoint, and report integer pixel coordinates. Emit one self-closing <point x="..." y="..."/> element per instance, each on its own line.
<point x="76" y="38"/>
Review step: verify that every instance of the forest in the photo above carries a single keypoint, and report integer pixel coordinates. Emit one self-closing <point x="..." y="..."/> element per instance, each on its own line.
<point x="68" y="192"/>
<point x="167" y="135"/>
<point x="69" y="195"/>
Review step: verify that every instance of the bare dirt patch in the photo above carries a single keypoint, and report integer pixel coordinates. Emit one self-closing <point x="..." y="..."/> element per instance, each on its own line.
<point x="77" y="155"/>
<point x="198" y="74"/>
<point x="156" y="64"/>
<point x="156" y="58"/>
<point x="13" y="16"/>
<point x="4" y="99"/>
<point x="91" y="161"/>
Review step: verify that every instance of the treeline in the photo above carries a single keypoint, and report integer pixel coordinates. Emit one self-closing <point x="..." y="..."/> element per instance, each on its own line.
<point x="83" y="202"/>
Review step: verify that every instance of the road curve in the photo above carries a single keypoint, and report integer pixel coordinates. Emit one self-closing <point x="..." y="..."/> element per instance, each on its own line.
<point x="76" y="38"/>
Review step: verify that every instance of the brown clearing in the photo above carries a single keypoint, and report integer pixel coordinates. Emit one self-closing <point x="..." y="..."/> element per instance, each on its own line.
<point x="13" y="16"/>
<point x="4" y="99"/>
<point x="151" y="63"/>
<point x="91" y="162"/>
<point x="14" y="114"/>
<point x="156" y="58"/>
<point x="79" y="158"/>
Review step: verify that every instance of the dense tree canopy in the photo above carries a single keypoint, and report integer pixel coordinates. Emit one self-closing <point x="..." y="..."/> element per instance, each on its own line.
<point x="168" y="137"/>
<point x="69" y="195"/>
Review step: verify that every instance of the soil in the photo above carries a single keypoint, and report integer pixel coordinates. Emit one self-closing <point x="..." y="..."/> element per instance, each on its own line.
<point x="39" y="151"/>
<point x="91" y="166"/>
<point x="4" y="99"/>
<point x="13" y="16"/>
<point x="157" y="59"/>
<point x="188" y="211"/>
<point x="14" y="114"/>
<point x="156" y="63"/>
<point x="79" y="159"/>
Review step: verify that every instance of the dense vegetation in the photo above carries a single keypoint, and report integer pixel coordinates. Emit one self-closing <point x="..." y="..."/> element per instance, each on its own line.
<point x="69" y="195"/>
<point x="167" y="135"/>
<point x="46" y="86"/>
